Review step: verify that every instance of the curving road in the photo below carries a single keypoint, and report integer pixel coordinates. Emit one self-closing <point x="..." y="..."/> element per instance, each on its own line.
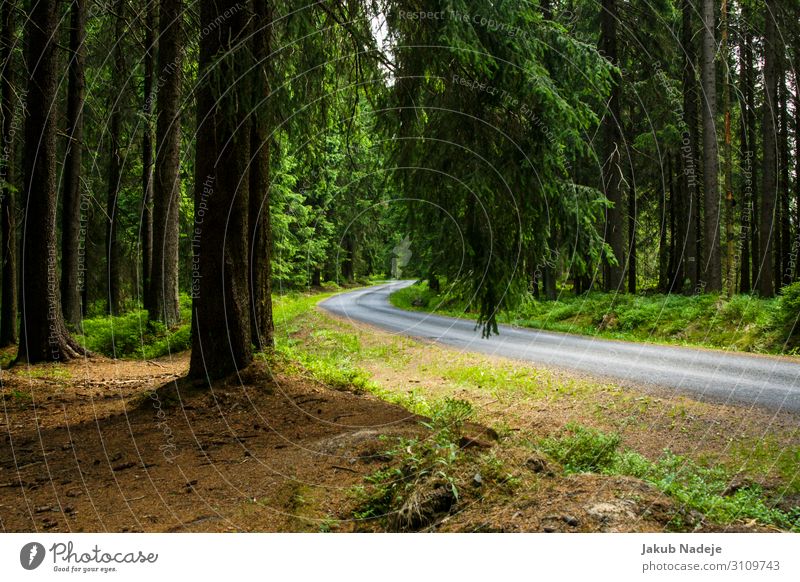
<point x="733" y="378"/>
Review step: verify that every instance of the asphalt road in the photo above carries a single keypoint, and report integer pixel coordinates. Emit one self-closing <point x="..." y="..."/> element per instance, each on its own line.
<point x="733" y="378"/>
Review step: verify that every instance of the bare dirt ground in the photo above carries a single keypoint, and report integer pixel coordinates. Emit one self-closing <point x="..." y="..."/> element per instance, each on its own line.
<point x="87" y="448"/>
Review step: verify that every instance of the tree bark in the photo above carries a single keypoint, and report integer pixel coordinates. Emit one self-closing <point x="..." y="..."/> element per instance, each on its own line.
<point x="8" y="221"/>
<point x="688" y="246"/>
<point x="114" y="296"/>
<point x="746" y="212"/>
<point x="73" y="254"/>
<point x="769" y="129"/>
<point x="43" y="334"/>
<point x="260" y="252"/>
<point x="712" y="266"/>
<point x="163" y="296"/>
<point x="611" y="154"/>
<point x="785" y="274"/>
<point x="730" y="271"/>
<point x="147" y="154"/>
<point x="221" y="341"/>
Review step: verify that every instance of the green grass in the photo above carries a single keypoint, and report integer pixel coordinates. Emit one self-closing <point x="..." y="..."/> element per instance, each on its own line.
<point x="743" y="322"/>
<point x="694" y="486"/>
<point x="131" y="335"/>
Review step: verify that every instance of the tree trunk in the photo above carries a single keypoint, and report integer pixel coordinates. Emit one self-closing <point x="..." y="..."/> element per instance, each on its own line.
<point x="797" y="166"/>
<point x="631" y="236"/>
<point x="768" y="189"/>
<point x="146" y="232"/>
<point x="730" y="272"/>
<point x="163" y="296"/>
<point x="752" y="148"/>
<point x="746" y="212"/>
<point x="611" y="154"/>
<point x="666" y="212"/>
<point x="73" y="254"/>
<point x="221" y="342"/>
<point x="787" y="252"/>
<point x="260" y="252"/>
<point x="8" y="236"/>
<point x="689" y="246"/>
<point x="114" y="171"/>
<point x="712" y="267"/>
<point x="43" y="334"/>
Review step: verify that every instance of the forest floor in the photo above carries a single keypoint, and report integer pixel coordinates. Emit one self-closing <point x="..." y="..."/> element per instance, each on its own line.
<point x="351" y="429"/>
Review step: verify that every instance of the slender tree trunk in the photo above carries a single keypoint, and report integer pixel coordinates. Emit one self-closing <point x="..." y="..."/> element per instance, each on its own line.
<point x="260" y="252"/>
<point x="712" y="267"/>
<point x="631" y="237"/>
<point x="163" y="296"/>
<point x="666" y="213"/>
<point x="752" y="147"/>
<point x="797" y="166"/>
<point x="785" y="274"/>
<point x="730" y="270"/>
<point x="611" y="154"/>
<point x="689" y="151"/>
<point x="114" y="171"/>
<point x="72" y="254"/>
<point x="221" y="342"/>
<point x="746" y="212"/>
<point x="147" y="154"/>
<point x="8" y="236"/>
<point x="43" y="334"/>
<point x="768" y="190"/>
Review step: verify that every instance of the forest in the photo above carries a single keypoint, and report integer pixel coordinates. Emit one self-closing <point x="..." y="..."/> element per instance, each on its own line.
<point x="182" y="181"/>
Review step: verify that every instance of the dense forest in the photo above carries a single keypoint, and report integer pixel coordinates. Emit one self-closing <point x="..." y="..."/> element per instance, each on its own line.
<point x="227" y="151"/>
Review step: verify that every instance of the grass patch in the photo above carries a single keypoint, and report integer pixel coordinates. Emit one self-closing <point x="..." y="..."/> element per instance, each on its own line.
<point x="696" y="487"/>
<point x="131" y="335"/>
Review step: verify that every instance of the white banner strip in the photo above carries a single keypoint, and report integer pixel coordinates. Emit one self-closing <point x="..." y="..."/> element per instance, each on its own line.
<point x="398" y="557"/>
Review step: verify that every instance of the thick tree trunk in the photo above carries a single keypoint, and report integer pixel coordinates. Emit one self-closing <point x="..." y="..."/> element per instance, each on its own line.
<point x="688" y="247"/>
<point x="769" y="128"/>
<point x="260" y="252"/>
<point x="114" y="297"/>
<point x="72" y="254"/>
<point x="611" y="154"/>
<point x="163" y="296"/>
<point x="146" y="229"/>
<point x="8" y="222"/>
<point x="221" y="342"/>
<point x="43" y="334"/>
<point x="712" y="266"/>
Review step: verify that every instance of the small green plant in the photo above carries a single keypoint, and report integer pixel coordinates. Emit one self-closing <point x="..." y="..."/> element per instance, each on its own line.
<point x="417" y="463"/>
<point x="583" y="449"/>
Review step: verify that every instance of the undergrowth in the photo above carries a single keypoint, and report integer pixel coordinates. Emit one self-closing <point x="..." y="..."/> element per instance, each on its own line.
<point x="131" y="335"/>
<point x="696" y="487"/>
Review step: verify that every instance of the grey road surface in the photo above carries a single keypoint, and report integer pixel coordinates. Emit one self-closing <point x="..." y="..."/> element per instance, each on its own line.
<point x="733" y="378"/>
